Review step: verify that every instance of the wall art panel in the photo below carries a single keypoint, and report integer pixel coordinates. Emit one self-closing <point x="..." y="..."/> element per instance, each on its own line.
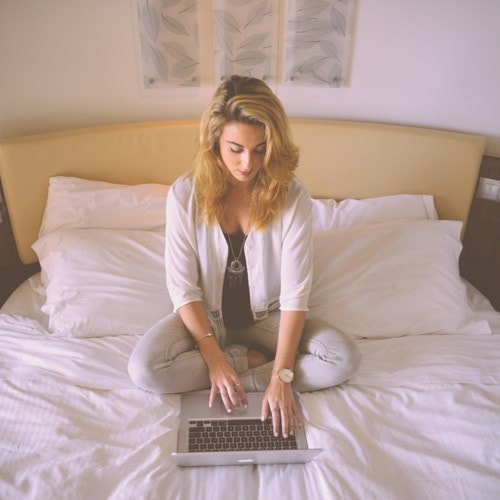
<point x="246" y="38"/>
<point x="316" y="42"/>
<point x="169" y="42"/>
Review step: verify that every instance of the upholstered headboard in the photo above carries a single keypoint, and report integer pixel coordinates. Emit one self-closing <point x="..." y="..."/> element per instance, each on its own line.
<point x="339" y="159"/>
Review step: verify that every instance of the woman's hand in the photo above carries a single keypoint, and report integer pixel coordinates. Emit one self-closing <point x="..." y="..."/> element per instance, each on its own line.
<point x="223" y="378"/>
<point x="279" y="404"/>
<point x="225" y="381"/>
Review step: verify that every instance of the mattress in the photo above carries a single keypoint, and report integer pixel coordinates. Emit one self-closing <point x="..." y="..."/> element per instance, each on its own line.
<point x="420" y="419"/>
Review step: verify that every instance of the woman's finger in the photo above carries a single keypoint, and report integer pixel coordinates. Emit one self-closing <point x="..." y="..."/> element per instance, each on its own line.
<point x="264" y="412"/>
<point x="226" y="399"/>
<point x="234" y="395"/>
<point x="213" y="395"/>
<point x="276" y="417"/>
<point x="285" y="422"/>
<point x="296" y="414"/>
<point x="241" y="394"/>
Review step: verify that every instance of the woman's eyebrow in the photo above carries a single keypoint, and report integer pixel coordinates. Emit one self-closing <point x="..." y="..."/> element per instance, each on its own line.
<point x="263" y="143"/>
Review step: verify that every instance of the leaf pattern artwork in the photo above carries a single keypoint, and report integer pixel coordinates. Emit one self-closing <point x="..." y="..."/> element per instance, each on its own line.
<point x="245" y="38"/>
<point x="168" y="31"/>
<point x="316" y="42"/>
<point x="246" y="41"/>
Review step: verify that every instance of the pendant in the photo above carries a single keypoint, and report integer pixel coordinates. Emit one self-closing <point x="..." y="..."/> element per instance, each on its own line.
<point x="236" y="271"/>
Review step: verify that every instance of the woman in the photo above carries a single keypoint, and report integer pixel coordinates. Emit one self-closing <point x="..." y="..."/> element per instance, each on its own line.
<point x="239" y="269"/>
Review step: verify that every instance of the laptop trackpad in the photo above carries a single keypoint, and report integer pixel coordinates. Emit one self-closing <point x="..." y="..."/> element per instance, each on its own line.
<point x="196" y="405"/>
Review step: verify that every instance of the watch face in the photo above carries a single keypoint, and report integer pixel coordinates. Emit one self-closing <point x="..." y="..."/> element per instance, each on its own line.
<point x="285" y="375"/>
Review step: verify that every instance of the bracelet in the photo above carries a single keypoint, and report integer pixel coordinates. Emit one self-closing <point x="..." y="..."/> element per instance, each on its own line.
<point x="206" y="336"/>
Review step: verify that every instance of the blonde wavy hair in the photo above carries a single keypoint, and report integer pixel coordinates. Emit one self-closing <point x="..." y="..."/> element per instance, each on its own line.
<point x="251" y="101"/>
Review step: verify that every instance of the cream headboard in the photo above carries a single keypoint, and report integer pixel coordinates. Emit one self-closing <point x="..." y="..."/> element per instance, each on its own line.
<point x="339" y="159"/>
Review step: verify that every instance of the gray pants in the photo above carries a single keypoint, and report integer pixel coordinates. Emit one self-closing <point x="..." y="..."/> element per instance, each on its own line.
<point x="166" y="359"/>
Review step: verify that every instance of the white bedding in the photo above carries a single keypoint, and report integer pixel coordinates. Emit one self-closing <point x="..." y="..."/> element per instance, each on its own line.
<point x="421" y="419"/>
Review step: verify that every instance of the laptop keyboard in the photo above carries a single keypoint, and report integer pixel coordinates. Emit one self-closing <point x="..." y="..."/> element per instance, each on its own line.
<point x="236" y="435"/>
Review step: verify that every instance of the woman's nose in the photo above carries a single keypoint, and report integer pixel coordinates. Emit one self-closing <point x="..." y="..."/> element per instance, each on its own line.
<point x="248" y="160"/>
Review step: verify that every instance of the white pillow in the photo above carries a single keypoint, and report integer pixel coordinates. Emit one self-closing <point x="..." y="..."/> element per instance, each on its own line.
<point x="102" y="282"/>
<point x="80" y="203"/>
<point x="392" y="279"/>
<point x="329" y="214"/>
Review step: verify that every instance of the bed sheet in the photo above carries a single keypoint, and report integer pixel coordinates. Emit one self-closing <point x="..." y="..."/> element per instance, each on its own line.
<point x="421" y="419"/>
<point x="64" y="441"/>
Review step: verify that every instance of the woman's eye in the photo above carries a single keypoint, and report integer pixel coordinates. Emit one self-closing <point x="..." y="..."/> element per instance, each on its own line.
<point x="236" y="150"/>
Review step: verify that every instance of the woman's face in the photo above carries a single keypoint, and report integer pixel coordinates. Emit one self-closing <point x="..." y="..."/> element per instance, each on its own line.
<point x="242" y="149"/>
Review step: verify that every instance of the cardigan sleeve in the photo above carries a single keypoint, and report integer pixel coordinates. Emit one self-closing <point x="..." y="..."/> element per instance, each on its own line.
<point x="181" y="252"/>
<point x="296" y="249"/>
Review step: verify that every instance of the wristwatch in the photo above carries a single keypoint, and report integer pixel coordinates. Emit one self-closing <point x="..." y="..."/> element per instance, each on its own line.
<point x="284" y="374"/>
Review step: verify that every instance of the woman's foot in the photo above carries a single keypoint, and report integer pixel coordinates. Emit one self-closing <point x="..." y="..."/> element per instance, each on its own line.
<point x="258" y="355"/>
<point x="255" y="358"/>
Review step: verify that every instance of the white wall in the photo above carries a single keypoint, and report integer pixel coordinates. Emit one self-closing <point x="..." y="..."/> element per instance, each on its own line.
<point x="433" y="63"/>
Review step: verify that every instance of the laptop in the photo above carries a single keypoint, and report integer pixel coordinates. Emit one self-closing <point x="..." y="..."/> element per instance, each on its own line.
<point x="212" y="436"/>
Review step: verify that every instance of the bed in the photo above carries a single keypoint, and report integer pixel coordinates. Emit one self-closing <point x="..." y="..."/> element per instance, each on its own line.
<point x="419" y="420"/>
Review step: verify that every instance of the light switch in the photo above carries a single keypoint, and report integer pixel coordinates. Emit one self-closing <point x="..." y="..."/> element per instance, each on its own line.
<point x="489" y="189"/>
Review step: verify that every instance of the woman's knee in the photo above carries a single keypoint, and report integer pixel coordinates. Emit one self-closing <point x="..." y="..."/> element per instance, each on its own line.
<point x="332" y="346"/>
<point x="149" y="363"/>
<point x="142" y="374"/>
<point x="172" y="377"/>
<point x="352" y="359"/>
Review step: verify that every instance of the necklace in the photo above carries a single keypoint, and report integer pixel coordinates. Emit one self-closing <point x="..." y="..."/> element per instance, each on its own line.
<point x="236" y="269"/>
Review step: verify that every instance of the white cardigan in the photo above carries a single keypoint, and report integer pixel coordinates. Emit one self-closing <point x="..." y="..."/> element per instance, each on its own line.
<point x="279" y="259"/>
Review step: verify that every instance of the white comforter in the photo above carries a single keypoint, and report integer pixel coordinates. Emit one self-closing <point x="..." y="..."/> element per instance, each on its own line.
<point x="421" y="419"/>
